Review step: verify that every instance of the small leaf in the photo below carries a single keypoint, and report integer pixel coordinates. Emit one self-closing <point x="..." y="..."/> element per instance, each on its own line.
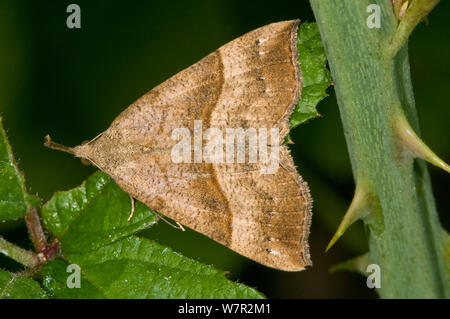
<point x="55" y="282"/>
<point x="316" y="77"/>
<point x="14" y="200"/>
<point x="139" y="268"/>
<point x="13" y="286"/>
<point x="93" y="215"/>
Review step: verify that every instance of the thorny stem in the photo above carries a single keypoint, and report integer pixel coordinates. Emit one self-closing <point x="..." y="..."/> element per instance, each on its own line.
<point x="372" y="86"/>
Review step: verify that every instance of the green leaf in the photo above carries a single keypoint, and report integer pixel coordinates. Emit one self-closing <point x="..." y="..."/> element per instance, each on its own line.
<point x="91" y="222"/>
<point x="316" y="77"/>
<point x="139" y="268"/>
<point x="14" y="200"/>
<point x="93" y="215"/>
<point x="55" y="282"/>
<point x="13" y="286"/>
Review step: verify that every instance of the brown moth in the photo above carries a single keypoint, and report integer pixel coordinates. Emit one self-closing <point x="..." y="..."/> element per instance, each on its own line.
<point x="253" y="81"/>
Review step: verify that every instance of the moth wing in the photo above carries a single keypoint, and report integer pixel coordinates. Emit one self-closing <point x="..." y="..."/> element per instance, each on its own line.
<point x="270" y="212"/>
<point x="253" y="81"/>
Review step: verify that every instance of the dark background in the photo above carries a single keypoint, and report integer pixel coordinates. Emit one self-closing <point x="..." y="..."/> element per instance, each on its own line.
<point x="71" y="83"/>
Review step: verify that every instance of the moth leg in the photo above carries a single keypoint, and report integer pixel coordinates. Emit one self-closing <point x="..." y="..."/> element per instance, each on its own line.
<point x="178" y="226"/>
<point x="132" y="208"/>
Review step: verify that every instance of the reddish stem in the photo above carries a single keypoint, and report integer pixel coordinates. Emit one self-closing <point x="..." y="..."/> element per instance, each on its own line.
<point x="45" y="250"/>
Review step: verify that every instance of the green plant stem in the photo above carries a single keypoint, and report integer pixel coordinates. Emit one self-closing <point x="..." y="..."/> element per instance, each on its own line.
<point x="372" y="88"/>
<point x="23" y="256"/>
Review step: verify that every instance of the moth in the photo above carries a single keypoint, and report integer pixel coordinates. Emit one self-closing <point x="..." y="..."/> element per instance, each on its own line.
<point x="253" y="81"/>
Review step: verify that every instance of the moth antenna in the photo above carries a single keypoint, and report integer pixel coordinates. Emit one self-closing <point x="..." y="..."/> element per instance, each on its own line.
<point x="56" y="146"/>
<point x="95" y="138"/>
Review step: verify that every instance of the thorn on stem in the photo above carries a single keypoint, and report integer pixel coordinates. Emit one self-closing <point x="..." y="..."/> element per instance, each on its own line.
<point x="410" y="143"/>
<point x="402" y="10"/>
<point x="358" y="264"/>
<point x="409" y="16"/>
<point x="360" y="208"/>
